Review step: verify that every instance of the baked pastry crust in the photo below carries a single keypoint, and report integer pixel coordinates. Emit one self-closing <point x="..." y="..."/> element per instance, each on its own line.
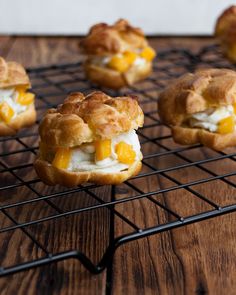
<point x="225" y="31"/>
<point x="196" y="135"/>
<point x="104" y="39"/>
<point x="81" y="119"/>
<point x="107" y="40"/>
<point x="192" y="93"/>
<point x="13" y="74"/>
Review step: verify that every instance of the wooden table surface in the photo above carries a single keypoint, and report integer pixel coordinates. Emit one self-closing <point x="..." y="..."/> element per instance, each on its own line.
<point x="196" y="259"/>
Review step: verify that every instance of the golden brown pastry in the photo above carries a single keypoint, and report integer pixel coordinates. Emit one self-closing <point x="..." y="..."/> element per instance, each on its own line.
<point x="117" y="55"/>
<point x="225" y="31"/>
<point x="201" y="108"/>
<point x="90" y="139"/>
<point x="16" y="104"/>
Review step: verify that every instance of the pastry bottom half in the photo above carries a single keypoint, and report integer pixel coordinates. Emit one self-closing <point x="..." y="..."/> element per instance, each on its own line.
<point x="229" y="50"/>
<point x="52" y="175"/>
<point x="24" y="119"/>
<point x="216" y="141"/>
<point x="113" y="79"/>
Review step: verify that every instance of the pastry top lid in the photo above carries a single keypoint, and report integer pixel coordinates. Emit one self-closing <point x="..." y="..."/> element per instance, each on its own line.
<point x="111" y="39"/>
<point x="225" y="27"/>
<point x="82" y="119"/>
<point x="192" y="93"/>
<point x="12" y="74"/>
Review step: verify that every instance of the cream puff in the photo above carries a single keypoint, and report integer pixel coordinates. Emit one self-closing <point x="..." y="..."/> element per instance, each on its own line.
<point x="201" y="108"/>
<point x="90" y="139"/>
<point x="16" y="103"/>
<point x="117" y="55"/>
<point x="225" y="31"/>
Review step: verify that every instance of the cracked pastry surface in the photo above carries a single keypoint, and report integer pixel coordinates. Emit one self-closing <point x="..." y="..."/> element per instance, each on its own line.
<point x="16" y="103"/>
<point x="90" y="139"/>
<point x="117" y="55"/>
<point x="225" y="31"/>
<point x="201" y="108"/>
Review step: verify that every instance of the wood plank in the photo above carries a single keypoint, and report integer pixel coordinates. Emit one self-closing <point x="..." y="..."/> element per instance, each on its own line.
<point x="5" y="44"/>
<point x="193" y="44"/>
<point x="189" y="260"/>
<point x="42" y="51"/>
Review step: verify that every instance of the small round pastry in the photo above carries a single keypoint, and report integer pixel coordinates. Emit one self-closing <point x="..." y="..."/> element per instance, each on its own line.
<point x="201" y="108"/>
<point x="90" y="139"/>
<point x="117" y="55"/>
<point x="16" y="103"/>
<point x="225" y="31"/>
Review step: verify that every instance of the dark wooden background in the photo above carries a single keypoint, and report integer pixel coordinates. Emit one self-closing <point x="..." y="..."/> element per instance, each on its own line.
<point x="196" y="259"/>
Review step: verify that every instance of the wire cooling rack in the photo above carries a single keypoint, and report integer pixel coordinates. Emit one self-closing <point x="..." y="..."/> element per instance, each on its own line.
<point x="178" y="184"/>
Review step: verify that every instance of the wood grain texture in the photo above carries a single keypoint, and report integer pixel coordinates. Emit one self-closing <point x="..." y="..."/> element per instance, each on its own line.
<point x="196" y="259"/>
<point x="5" y="44"/>
<point x="49" y="51"/>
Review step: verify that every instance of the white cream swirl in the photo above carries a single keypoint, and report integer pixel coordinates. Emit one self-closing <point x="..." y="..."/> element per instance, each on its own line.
<point x="210" y="118"/>
<point x="9" y="95"/>
<point x="83" y="158"/>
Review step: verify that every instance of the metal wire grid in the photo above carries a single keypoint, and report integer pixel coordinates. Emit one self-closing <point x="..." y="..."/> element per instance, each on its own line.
<point x="51" y="84"/>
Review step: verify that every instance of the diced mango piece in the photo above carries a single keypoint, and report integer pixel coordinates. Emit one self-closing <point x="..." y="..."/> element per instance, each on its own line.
<point x="130" y="57"/>
<point x="102" y="149"/>
<point x="119" y="64"/>
<point x="6" y="112"/>
<point x="25" y="98"/>
<point x="148" y="53"/>
<point x="62" y="158"/>
<point x="226" y="125"/>
<point x="125" y="153"/>
<point x="21" y="89"/>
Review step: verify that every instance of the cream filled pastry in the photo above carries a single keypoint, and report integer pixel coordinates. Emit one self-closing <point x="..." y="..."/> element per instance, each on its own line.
<point x="117" y="55"/>
<point x="16" y="103"/>
<point x="225" y="32"/>
<point x="90" y="139"/>
<point x="201" y="107"/>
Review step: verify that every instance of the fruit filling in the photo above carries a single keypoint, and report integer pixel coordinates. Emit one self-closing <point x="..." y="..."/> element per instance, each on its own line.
<point x="125" y="153"/>
<point x="14" y="101"/>
<point x="121" y="62"/>
<point x="109" y="155"/>
<point x="62" y="158"/>
<point x="221" y="120"/>
<point x="6" y="112"/>
<point x="102" y="149"/>
<point x="226" y="125"/>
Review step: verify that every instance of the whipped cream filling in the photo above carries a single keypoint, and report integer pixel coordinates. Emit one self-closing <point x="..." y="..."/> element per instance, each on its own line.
<point x="210" y="118"/>
<point x="102" y="61"/>
<point x="139" y="62"/>
<point x="9" y="95"/>
<point x="83" y="158"/>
